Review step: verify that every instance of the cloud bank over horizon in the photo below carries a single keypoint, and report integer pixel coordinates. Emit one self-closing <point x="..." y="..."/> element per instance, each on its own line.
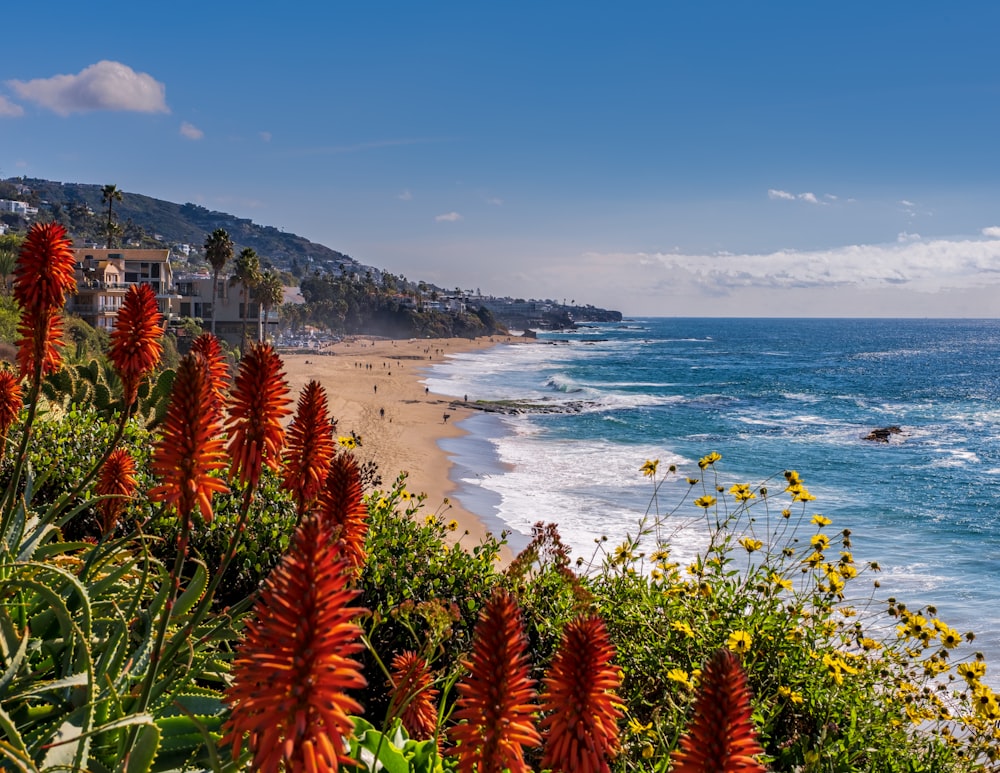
<point x="941" y="277"/>
<point x="105" y="85"/>
<point x="921" y="264"/>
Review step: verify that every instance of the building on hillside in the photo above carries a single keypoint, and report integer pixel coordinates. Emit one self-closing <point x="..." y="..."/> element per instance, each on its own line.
<point x="196" y="300"/>
<point x="103" y="276"/>
<point x="21" y="208"/>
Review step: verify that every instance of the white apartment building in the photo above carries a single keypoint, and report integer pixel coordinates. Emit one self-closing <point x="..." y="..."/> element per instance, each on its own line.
<point x="18" y="207"/>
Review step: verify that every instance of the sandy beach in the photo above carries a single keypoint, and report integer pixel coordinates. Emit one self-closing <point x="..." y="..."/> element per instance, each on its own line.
<point x="374" y="389"/>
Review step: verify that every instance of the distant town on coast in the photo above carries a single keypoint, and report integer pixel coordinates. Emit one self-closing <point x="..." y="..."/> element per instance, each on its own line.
<point x="296" y="287"/>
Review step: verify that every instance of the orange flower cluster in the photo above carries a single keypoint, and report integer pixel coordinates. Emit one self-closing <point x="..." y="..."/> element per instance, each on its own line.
<point x="117" y="480"/>
<point x="257" y="405"/>
<point x="11" y="400"/>
<point x="340" y="505"/>
<point x="721" y="737"/>
<point x="413" y="699"/>
<point x="43" y="276"/>
<point x="310" y="446"/>
<point x="579" y="701"/>
<point x="135" y="341"/>
<point x="294" y="666"/>
<point x="207" y="345"/>
<point x="191" y="448"/>
<point x="497" y="698"/>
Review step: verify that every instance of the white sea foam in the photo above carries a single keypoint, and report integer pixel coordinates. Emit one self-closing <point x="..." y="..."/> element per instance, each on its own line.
<point x="915" y="504"/>
<point x="591" y="489"/>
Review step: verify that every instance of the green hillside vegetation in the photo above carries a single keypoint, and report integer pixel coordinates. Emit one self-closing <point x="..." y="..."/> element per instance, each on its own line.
<point x="154" y="223"/>
<point x="391" y="307"/>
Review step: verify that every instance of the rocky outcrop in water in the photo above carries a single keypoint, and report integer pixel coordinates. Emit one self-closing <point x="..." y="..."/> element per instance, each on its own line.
<point x="882" y="434"/>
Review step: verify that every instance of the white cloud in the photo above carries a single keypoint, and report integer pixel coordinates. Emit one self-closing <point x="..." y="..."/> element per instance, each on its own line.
<point x="450" y="217"/>
<point x="8" y="109"/>
<point x="809" y="198"/>
<point x="405" y="196"/>
<point x="906" y="203"/>
<point x="992" y="232"/>
<point x="497" y="202"/>
<point x="920" y="265"/>
<point x="905" y="236"/>
<point x="102" y="86"/>
<point x="265" y="136"/>
<point x="191" y="132"/>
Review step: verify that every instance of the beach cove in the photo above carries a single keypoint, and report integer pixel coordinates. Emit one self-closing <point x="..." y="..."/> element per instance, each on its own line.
<point x="376" y="389"/>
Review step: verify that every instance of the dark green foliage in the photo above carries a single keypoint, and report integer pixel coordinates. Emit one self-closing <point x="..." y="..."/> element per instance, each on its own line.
<point x="266" y="536"/>
<point x="95" y="385"/>
<point x="10" y="315"/>
<point x="84" y="341"/>
<point x="347" y="304"/>
<point x="423" y="595"/>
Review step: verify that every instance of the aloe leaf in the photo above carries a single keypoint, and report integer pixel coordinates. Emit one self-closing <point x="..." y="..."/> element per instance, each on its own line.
<point x="10" y="730"/>
<point x="16" y="659"/>
<point x="144" y="750"/>
<point x="193" y="592"/>
<point x="15" y="760"/>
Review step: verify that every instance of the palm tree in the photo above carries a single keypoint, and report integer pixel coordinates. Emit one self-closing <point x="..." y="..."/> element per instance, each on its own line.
<point x="270" y="292"/>
<point x="246" y="273"/>
<point x="109" y="195"/>
<point x="219" y="251"/>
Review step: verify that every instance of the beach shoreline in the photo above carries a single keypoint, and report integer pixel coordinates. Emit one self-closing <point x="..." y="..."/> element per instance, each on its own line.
<point x="375" y="389"/>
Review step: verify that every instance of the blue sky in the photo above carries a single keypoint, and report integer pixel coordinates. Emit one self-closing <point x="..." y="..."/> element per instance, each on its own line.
<point x="663" y="158"/>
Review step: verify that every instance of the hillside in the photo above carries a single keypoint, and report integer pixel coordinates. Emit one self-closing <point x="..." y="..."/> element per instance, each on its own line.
<point x="154" y="223"/>
<point x="146" y="219"/>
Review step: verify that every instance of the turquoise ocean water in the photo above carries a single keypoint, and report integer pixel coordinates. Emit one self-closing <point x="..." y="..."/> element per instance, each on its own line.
<point x="769" y="395"/>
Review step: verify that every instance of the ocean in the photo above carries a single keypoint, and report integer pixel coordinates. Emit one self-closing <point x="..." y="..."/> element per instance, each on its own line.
<point x="768" y="395"/>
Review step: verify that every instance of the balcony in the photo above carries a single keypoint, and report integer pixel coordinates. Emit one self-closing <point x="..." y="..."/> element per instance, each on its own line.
<point x="93" y="284"/>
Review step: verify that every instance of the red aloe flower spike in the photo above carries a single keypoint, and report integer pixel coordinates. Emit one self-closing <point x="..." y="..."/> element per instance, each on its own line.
<point x="135" y="340"/>
<point x="496" y="698"/>
<point x="43" y="276"/>
<point x="11" y="403"/>
<point x="721" y="737"/>
<point x="11" y="400"/>
<point x="413" y="698"/>
<point x="117" y="479"/>
<point x="257" y="405"/>
<point x="581" y="725"/>
<point x="310" y="446"/>
<point x="191" y="448"/>
<point x="340" y="505"/>
<point x="41" y="338"/>
<point x="207" y="345"/>
<point x="294" y="667"/>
